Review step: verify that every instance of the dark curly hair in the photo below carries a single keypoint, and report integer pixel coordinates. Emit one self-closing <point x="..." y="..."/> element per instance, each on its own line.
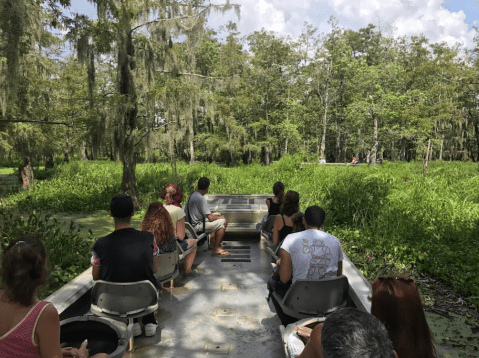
<point x="158" y="221"/>
<point x="290" y="204"/>
<point x="23" y="269"/>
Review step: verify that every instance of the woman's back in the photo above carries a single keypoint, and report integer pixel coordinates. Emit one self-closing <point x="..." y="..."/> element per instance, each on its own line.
<point x="17" y="329"/>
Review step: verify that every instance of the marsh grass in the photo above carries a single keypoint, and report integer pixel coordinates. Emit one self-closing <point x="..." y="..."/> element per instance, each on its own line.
<point x="389" y="218"/>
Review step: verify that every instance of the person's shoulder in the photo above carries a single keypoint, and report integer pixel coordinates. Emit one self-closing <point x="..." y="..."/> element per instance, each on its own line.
<point x="295" y="236"/>
<point x="49" y="313"/>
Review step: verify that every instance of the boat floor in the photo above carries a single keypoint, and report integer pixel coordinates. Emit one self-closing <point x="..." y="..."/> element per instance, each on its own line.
<point x="221" y="312"/>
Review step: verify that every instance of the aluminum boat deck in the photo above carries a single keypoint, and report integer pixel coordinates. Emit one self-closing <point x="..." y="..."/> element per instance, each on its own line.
<point x="223" y="311"/>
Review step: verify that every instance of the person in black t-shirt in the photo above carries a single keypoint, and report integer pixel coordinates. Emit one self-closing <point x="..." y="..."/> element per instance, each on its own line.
<point x="126" y="255"/>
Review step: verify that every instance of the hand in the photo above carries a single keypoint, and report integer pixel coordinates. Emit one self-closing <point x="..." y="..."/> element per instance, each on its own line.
<point x="81" y="352"/>
<point x="303" y="331"/>
<point x="278" y="261"/>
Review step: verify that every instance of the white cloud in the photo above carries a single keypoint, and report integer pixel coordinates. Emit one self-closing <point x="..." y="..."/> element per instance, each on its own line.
<point x="407" y="17"/>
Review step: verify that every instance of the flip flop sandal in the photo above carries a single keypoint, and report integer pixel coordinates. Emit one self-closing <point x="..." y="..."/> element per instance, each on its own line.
<point x="222" y="254"/>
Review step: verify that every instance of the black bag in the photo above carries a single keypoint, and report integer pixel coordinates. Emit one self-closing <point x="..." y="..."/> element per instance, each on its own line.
<point x="276" y="285"/>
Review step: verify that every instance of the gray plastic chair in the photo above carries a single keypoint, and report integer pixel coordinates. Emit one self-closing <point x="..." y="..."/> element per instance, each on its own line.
<point x="168" y="267"/>
<point x="124" y="300"/>
<point x="192" y="234"/>
<point x="314" y="298"/>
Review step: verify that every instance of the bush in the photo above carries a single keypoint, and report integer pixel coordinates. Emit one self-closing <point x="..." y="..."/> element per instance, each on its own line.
<point x="68" y="254"/>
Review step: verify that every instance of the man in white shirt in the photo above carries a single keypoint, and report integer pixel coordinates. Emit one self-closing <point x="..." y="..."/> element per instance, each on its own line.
<point x="311" y="254"/>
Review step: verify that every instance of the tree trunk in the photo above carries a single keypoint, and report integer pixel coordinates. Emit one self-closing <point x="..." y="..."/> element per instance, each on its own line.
<point x="403" y="149"/>
<point x="171" y="149"/>
<point x="325" y="120"/>
<point x="286" y="146"/>
<point x="440" y="149"/>
<point x="375" y="140"/>
<point x="425" y="158"/>
<point x="66" y="156"/>
<point x="128" y="109"/>
<point x="83" y="151"/>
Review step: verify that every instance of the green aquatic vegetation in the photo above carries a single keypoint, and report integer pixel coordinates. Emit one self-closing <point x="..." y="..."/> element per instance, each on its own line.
<point x="454" y="336"/>
<point x="68" y="246"/>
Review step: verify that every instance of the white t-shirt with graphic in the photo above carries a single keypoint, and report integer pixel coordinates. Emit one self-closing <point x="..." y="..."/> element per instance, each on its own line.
<point x="314" y="254"/>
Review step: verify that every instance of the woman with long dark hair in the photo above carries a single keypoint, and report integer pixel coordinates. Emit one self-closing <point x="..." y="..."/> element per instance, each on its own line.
<point x="283" y="224"/>
<point x="396" y="303"/>
<point x="29" y="328"/>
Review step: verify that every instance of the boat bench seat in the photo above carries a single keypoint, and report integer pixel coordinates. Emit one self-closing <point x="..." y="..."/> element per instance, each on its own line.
<point x="307" y="298"/>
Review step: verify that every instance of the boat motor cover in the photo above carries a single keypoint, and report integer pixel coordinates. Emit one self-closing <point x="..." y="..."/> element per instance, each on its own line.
<point x="104" y="335"/>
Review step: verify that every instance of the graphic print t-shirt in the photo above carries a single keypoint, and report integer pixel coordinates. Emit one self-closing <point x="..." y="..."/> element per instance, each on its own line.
<point x="314" y="254"/>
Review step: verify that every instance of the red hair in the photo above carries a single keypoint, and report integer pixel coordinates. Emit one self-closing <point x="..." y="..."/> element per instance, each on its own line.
<point x="397" y="304"/>
<point x="158" y="221"/>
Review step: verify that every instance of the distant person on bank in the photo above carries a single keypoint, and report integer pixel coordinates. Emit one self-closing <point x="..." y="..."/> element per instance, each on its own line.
<point x="127" y="255"/>
<point x="196" y="208"/>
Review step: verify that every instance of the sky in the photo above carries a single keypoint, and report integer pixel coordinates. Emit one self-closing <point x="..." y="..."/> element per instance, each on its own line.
<point x="450" y="21"/>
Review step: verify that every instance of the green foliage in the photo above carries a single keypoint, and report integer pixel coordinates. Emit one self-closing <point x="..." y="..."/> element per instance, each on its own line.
<point x="389" y="217"/>
<point x="68" y="251"/>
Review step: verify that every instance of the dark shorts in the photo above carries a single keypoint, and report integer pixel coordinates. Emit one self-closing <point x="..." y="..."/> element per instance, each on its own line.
<point x="183" y="243"/>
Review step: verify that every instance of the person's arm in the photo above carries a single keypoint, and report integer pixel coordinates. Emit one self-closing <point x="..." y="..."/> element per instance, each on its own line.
<point x="278" y="224"/>
<point x="156" y="252"/>
<point x="96" y="269"/>
<point x="96" y="273"/>
<point x="286" y="267"/>
<point x="180" y="229"/>
<point x="340" y="268"/>
<point x="268" y="203"/>
<point x="313" y="348"/>
<point x="212" y="217"/>
<point x="48" y="333"/>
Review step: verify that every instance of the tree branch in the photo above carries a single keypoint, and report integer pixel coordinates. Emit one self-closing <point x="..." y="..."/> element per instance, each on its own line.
<point x="205" y="8"/>
<point x="32" y="121"/>
<point x="192" y="74"/>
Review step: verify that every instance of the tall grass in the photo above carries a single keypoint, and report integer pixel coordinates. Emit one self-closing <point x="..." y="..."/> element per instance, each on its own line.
<point x="388" y="216"/>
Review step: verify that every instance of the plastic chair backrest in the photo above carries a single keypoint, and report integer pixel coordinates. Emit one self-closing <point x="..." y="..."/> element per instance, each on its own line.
<point x="306" y="297"/>
<point x="123" y="299"/>
<point x="167" y="265"/>
<point x="268" y="226"/>
<point x="190" y="232"/>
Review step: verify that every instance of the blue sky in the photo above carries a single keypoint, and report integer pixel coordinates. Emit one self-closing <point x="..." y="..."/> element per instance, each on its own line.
<point x="438" y="20"/>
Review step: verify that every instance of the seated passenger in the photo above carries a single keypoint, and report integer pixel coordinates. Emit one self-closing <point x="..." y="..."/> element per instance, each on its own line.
<point x="127" y="255"/>
<point x="196" y="208"/>
<point x="397" y="304"/>
<point x="29" y="328"/>
<point x="321" y="160"/>
<point x="158" y="221"/>
<point x="173" y="197"/>
<point x="346" y="333"/>
<point x="283" y="224"/>
<point x="273" y="204"/>
<point x="314" y="255"/>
